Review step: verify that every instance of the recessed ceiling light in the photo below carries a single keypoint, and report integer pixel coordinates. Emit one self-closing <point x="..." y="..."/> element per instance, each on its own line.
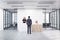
<point x="14" y="2"/>
<point x="46" y="2"/>
<point x="17" y="6"/>
<point x="43" y="6"/>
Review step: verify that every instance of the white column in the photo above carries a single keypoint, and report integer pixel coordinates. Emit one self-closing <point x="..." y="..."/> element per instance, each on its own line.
<point x="1" y="19"/>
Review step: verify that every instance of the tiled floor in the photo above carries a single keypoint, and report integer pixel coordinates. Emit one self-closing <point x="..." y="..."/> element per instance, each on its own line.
<point x="15" y="35"/>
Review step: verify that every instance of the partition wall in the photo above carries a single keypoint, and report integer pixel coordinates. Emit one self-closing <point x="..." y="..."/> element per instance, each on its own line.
<point x="54" y="18"/>
<point x="7" y="18"/>
<point x="10" y="18"/>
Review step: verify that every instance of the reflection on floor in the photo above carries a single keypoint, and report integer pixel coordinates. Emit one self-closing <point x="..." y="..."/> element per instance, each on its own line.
<point x="47" y="34"/>
<point x="11" y="28"/>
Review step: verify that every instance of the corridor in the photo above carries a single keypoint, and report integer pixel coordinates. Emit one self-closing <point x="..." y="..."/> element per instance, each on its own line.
<point x="44" y="15"/>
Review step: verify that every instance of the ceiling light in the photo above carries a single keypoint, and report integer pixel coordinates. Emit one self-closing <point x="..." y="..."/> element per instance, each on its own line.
<point x="43" y="6"/>
<point x="14" y="2"/>
<point x="46" y="2"/>
<point x="17" y="6"/>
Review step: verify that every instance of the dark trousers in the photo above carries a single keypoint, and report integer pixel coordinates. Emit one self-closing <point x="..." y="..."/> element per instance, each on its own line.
<point x="29" y="29"/>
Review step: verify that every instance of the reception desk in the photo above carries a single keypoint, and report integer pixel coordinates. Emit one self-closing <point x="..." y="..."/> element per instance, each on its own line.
<point x="36" y="28"/>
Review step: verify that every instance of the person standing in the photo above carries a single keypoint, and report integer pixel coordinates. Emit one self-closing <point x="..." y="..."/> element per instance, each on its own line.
<point x="29" y="23"/>
<point x="23" y="25"/>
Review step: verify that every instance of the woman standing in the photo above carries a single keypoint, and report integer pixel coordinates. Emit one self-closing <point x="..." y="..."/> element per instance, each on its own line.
<point x="24" y="26"/>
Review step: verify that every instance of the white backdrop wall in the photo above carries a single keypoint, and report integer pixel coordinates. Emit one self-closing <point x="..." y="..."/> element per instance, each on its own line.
<point x="35" y="14"/>
<point x="1" y="19"/>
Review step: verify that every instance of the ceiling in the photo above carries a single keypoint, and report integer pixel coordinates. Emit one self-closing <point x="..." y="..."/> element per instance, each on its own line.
<point x="31" y="4"/>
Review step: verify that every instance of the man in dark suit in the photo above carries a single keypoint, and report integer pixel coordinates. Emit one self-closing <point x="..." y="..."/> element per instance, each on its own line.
<point x="29" y="23"/>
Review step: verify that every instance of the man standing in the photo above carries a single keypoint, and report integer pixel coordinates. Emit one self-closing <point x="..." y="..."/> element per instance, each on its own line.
<point x="29" y="23"/>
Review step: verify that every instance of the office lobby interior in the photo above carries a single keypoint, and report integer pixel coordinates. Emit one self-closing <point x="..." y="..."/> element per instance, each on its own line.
<point x="45" y="16"/>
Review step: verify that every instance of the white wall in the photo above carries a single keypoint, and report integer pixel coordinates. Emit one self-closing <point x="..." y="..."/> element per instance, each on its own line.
<point x="34" y="13"/>
<point x="1" y="19"/>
